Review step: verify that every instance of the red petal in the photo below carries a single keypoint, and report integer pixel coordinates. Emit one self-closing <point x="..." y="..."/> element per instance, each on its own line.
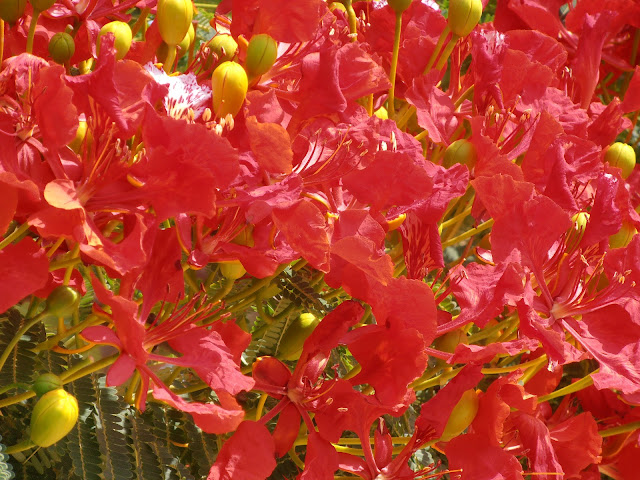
<point x="24" y="268"/>
<point x="248" y="455"/>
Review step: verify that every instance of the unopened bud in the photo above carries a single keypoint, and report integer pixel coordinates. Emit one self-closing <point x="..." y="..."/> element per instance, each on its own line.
<point x="12" y="10"/>
<point x="53" y="417"/>
<point x="229" y="85"/>
<point x="399" y="6"/>
<point x="337" y="6"/>
<point x="461" y="416"/>
<point x="174" y="18"/>
<point x="461" y="151"/>
<point x="122" y="34"/>
<point x="41" y="5"/>
<point x="45" y="383"/>
<point x="61" y="47"/>
<point x="622" y="156"/>
<point x="232" y="270"/>
<point x="224" y="46"/>
<point x="624" y="236"/>
<point x="464" y="15"/>
<point x="62" y="301"/>
<point x="261" y="54"/>
<point x="295" y="335"/>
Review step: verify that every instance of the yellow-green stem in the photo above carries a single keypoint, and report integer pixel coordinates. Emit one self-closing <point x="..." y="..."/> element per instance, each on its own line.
<point x="20" y="447"/>
<point x="14" y="235"/>
<point x="394" y="66"/>
<point x="447" y="52"/>
<point x="436" y="51"/>
<point x="260" y="407"/>
<point x="468" y="234"/>
<point x="351" y="17"/>
<point x="171" y="58"/>
<point x="574" y="387"/>
<point x="142" y="19"/>
<point x="32" y="31"/>
<point x="53" y="341"/>
<point x="628" y="427"/>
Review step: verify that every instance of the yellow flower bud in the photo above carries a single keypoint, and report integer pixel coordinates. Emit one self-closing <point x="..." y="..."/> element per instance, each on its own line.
<point x="41" y="5"/>
<point x="622" y="156"/>
<point x="624" y="236"/>
<point x="186" y="42"/>
<point x="232" y="270"/>
<point x="461" y="416"/>
<point x="123" y="35"/>
<point x="12" y="10"/>
<point x="224" y="46"/>
<point x="461" y="151"/>
<point x="399" y="6"/>
<point x="261" y="54"/>
<point x="45" y="383"/>
<point x="229" y="85"/>
<point x="464" y="15"/>
<point x="62" y="301"/>
<point x="174" y="18"/>
<point x="61" y="47"/>
<point x="53" y="417"/>
<point x="81" y="133"/>
<point x="292" y="341"/>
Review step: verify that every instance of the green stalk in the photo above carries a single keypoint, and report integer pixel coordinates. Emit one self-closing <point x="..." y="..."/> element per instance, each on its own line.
<point x="394" y="66"/>
<point x="32" y="31"/>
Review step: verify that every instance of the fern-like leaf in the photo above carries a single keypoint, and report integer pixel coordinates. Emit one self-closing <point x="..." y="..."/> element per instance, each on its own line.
<point x="203" y="449"/>
<point x="147" y="463"/>
<point x="265" y="341"/>
<point x="22" y="363"/>
<point x="118" y="460"/>
<point x="297" y="289"/>
<point x="81" y="442"/>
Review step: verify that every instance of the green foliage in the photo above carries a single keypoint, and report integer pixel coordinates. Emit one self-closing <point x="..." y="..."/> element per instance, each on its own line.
<point x="110" y="441"/>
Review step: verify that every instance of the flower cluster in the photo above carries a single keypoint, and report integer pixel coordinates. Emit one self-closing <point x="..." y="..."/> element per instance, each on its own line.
<point x="435" y="215"/>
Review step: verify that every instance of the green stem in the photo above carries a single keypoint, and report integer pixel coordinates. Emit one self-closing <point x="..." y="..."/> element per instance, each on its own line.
<point x="90" y="321"/>
<point x="14" y="341"/>
<point x="351" y="16"/>
<point x="628" y="427"/>
<point x="468" y="234"/>
<point x="436" y="51"/>
<point x="394" y="66"/>
<point x="20" y="447"/>
<point x="447" y="51"/>
<point x="574" y="387"/>
<point x="72" y="374"/>
<point x="32" y="31"/>
<point x="14" y="235"/>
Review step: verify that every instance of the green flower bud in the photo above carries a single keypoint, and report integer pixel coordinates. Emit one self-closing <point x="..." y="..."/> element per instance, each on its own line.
<point x="464" y="15"/>
<point x="41" y="5"/>
<point x="232" y="270"/>
<point x="461" y="416"/>
<point x="123" y="35"/>
<point x="53" y="417"/>
<point x="224" y="46"/>
<point x="624" y="236"/>
<point x="461" y="151"/>
<point x="12" y="10"/>
<point x="261" y="54"/>
<point x="174" y="18"/>
<point x="62" y="301"/>
<point x="622" y="156"/>
<point x="292" y="341"/>
<point x="61" y="47"/>
<point x="229" y="85"/>
<point x="399" y="6"/>
<point x="45" y="383"/>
